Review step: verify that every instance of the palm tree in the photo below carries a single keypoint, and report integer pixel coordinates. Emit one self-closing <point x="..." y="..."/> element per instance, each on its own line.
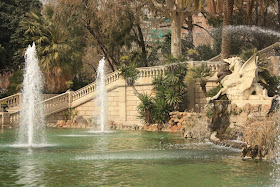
<point x="228" y="11"/>
<point x="57" y="51"/>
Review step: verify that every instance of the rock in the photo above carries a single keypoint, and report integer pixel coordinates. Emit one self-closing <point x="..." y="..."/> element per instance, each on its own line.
<point x="60" y="123"/>
<point x="188" y="135"/>
<point x="135" y="127"/>
<point x="69" y="123"/>
<point x="213" y="137"/>
<point x="80" y="120"/>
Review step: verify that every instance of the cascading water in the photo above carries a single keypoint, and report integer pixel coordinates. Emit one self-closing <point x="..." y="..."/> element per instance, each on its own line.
<point x="32" y="126"/>
<point x="101" y="97"/>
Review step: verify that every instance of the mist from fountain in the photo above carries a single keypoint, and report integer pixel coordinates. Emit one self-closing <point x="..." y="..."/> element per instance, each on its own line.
<point x="101" y="97"/>
<point x="32" y="125"/>
<point x="251" y="29"/>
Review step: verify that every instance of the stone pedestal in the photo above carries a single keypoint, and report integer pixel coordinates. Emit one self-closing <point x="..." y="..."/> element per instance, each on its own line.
<point x="242" y="103"/>
<point x="274" y="61"/>
<point x="5" y="119"/>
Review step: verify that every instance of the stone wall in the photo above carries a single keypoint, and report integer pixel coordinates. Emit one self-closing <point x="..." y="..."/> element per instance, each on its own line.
<point x="122" y="103"/>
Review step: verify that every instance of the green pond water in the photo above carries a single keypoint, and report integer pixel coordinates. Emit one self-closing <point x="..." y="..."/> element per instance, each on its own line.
<point x="126" y="158"/>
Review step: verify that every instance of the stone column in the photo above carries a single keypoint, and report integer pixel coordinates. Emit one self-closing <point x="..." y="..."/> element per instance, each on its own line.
<point x="191" y="96"/>
<point x="122" y="101"/>
<point x="70" y="99"/>
<point x="274" y="61"/>
<point x="5" y="119"/>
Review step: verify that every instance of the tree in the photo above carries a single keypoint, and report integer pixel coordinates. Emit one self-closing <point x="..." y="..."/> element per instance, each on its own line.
<point x="177" y="12"/>
<point x="11" y="39"/>
<point x="228" y="11"/>
<point x="108" y="23"/>
<point x="59" y="48"/>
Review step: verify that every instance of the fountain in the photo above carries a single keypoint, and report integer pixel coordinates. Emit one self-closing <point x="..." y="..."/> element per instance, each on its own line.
<point x="32" y="125"/>
<point x="101" y="97"/>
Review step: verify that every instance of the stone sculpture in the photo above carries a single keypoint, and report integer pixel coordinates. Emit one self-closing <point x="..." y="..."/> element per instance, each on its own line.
<point x="242" y="84"/>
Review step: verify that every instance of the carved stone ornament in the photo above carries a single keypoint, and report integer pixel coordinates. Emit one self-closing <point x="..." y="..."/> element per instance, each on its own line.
<point x="241" y="86"/>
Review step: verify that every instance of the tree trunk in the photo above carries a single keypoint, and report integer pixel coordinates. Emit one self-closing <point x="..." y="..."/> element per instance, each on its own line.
<point x="228" y="10"/>
<point x="142" y="44"/>
<point x="211" y="6"/>
<point x="176" y="25"/>
<point x="278" y="3"/>
<point x="257" y="13"/>
<point x="249" y="10"/>
<point x="203" y="87"/>
<point x="190" y="29"/>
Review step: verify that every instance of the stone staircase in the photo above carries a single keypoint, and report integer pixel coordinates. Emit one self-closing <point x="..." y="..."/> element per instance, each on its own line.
<point x="53" y="104"/>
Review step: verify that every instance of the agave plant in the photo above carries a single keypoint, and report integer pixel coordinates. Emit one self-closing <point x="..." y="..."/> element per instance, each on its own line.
<point x="145" y="108"/>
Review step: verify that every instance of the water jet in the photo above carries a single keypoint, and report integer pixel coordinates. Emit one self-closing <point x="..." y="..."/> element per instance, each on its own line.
<point x="31" y="125"/>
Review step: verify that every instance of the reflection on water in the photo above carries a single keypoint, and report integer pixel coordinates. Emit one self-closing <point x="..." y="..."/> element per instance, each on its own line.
<point x="30" y="170"/>
<point x="131" y="158"/>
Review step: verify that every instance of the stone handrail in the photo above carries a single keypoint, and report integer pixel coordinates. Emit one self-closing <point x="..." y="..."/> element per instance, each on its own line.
<point x="48" y="96"/>
<point x="268" y="51"/>
<point x="13" y="100"/>
<point x="56" y="103"/>
<point x="112" y="77"/>
<point x="14" y="117"/>
<point x="216" y="58"/>
<point x="50" y="106"/>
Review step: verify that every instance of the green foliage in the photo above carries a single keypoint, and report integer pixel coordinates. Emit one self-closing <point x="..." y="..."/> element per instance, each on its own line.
<point x="171" y="86"/>
<point x="246" y="53"/>
<point x="11" y="39"/>
<point x="70" y="114"/>
<point x="145" y="108"/>
<point x="128" y="70"/>
<point x="57" y="45"/>
<point x="200" y="74"/>
<point x="205" y="52"/>
<point x="212" y="92"/>
<point x="165" y="46"/>
<point x="15" y="82"/>
<point x="170" y="91"/>
<point x="69" y="84"/>
<point x="82" y="78"/>
<point x="210" y="110"/>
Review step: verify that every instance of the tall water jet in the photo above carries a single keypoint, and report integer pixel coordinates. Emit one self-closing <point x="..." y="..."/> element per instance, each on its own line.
<point x="101" y="97"/>
<point x="32" y="126"/>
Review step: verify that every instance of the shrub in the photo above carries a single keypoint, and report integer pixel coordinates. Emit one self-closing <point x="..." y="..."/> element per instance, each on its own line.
<point x="145" y="108"/>
<point x="263" y="134"/>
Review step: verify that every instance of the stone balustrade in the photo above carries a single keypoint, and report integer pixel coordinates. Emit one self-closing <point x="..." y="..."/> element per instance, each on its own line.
<point x="54" y="103"/>
<point x="14" y="117"/>
<point x="112" y="77"/>
<point x="48" y="96"/>
<point x="269" y="51"/>
<point x="13" y="100"/>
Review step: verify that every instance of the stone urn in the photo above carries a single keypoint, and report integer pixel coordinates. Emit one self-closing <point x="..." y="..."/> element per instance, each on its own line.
<point x="69" y="85"/>
<point x="4" y="106"/>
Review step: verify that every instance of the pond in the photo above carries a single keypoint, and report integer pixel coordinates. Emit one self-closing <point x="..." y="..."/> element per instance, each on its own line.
<point x="126" y="158"/>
